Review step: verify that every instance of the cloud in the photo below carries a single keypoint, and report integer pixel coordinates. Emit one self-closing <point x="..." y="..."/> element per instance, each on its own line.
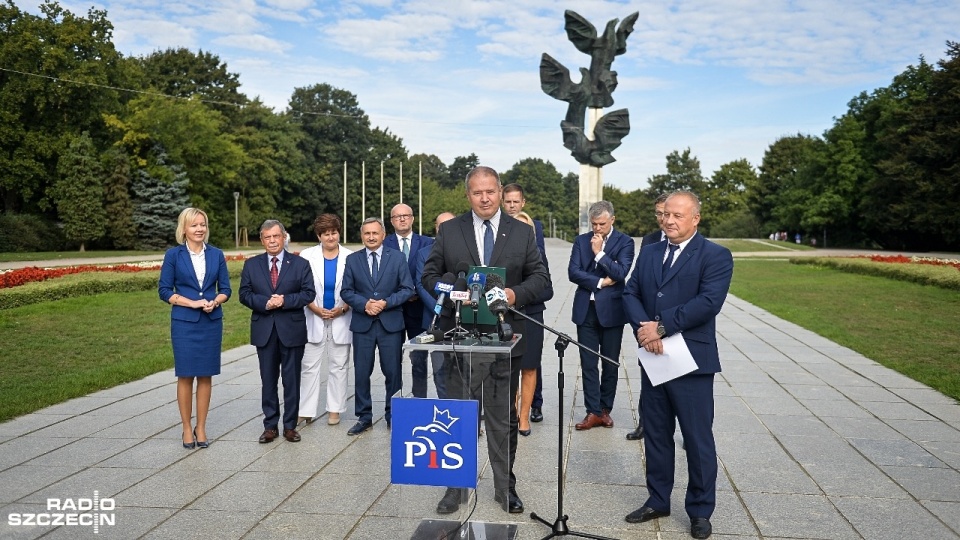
<point x="253" y="42"/>
<point x="399" y="37"/>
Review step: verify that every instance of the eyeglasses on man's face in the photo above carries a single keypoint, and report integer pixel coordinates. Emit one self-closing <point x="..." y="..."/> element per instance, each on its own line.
<point x="398" y="217"/>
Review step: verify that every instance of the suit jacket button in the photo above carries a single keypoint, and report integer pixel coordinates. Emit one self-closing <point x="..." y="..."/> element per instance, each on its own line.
<point x="657" y="318"/>
<point x="659" y="294"/>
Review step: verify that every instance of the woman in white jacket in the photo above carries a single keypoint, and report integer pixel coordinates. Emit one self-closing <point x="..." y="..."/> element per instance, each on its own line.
<point x="328" y="324"/>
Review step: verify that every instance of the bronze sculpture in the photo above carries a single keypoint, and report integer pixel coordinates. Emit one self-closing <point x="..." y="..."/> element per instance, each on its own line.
<point x="594" y="90"/>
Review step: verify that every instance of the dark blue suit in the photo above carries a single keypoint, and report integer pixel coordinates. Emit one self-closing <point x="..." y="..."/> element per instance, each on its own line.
<point x="428" y="302"/>
<point x="534" y="336"/>
<point x="687" y="299"/>
<point x="383" y="332"/>
<point x="279" y="334"/>
<point x="413" y="312"/>
<point x="600" y="323"/>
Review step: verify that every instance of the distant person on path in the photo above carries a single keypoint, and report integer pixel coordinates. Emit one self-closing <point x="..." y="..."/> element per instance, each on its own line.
<point x="276" y="285"/>
<point x="599" y="264"/>
<point x="328" y="324"/>
<point x="410" y="243"/>
<point x="677" y="287"/>
<point x="194" y="279"/>
<point x="531" y="371"/>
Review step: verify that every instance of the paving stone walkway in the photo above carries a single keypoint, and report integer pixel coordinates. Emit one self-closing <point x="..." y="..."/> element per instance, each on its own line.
<point x="815" y="442"/>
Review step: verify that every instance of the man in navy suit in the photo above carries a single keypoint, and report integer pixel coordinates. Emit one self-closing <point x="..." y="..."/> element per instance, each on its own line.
<point x="276" y="285"/>
<point x="410" y="243"/>
<point x="599" y="264"/>
<point x="648" y="240"/>
<point x="679" y="286"/>
<point x="376" y="284"/>
<point x="429" y="303"/>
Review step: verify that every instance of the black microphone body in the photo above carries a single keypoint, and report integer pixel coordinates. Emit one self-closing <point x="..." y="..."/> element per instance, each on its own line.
<point x="446" y="281"/>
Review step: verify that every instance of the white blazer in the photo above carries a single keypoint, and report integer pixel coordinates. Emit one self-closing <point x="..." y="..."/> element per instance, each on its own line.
<point x="341" y="325"/>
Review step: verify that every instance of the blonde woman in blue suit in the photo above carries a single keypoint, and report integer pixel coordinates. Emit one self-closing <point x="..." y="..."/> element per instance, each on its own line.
<point x="195" y="281"/>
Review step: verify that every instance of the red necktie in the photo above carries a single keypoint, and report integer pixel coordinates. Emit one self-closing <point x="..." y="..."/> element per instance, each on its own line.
<point x="274" y="274"/>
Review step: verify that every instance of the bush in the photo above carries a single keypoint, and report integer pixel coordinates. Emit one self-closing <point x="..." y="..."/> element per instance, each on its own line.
<point x="28" y="232"/>
<point x="945" y="277"/>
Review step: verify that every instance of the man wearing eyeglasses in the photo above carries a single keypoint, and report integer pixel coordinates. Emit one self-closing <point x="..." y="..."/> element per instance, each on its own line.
<point x="410" y="243"/>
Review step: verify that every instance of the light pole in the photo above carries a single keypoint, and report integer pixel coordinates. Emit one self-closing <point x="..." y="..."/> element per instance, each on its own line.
<point x="236" y="217"/>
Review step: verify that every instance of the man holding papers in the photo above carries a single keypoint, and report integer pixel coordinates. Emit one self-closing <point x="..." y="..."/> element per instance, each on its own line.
<point x="678" y="287"/>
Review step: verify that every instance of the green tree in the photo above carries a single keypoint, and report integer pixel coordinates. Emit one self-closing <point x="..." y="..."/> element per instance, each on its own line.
<point x="724" y="200"/>
<point x="182" y="73"/>
<point x="78" y="194"/>
<point x="683" y="173"/>
<point x="161" y="194"/>
<point x="458" y="170"/>
<point x="121" y="231"/>
<point x="60" y="69"/>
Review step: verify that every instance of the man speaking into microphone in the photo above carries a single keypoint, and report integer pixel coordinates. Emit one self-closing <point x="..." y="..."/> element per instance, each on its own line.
<point x="485" y="236"/>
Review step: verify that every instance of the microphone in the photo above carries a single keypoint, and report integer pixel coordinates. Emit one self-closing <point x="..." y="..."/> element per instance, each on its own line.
<point x="497" y="302"/>
<point x="477" y="281"/>
<point x="494" y="281"/>
<point x="462" y="269"/>
<point x="459" y="295"/>
<point x="443" y="287"/>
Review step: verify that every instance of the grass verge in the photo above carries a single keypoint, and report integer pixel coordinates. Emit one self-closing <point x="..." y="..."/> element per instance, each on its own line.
<point x="55" y="351"/>
<point x="63" y="255"/>
<point x="737" y="244"/>
<point x="908" y="327"/>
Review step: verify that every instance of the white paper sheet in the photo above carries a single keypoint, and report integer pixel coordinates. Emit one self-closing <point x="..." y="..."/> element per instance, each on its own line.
<point x="675" y="361"/>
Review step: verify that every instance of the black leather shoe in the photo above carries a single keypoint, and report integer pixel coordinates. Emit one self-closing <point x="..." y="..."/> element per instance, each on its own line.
<point x="524" y="432"/>
<point x="643" y="514"/>
<point x="536" y="415"/>
<point x="450" y="502"/>
<point x="700" y="528"/>
<point x="359" y="428"/>
<point x="509" y="501"/>
<point x="636" y="434"/>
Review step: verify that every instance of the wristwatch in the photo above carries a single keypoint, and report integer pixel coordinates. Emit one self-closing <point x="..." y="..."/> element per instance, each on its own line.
<point x="661" y="331"/>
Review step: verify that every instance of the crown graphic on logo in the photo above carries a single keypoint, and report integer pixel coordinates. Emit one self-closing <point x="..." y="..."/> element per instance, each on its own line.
<point x="443" y="418"/>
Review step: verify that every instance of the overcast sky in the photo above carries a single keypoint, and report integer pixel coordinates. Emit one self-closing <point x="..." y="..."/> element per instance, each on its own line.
<point x="725" y="78"/>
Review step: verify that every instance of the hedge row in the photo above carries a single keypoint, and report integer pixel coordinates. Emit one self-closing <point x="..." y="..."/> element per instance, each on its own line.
<point x="91" y="283"/>
<point x="945" y="277"/>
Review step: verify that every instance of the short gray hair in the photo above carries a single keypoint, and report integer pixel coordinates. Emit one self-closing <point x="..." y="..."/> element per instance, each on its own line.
<point x="373" y="220"/>
<point x="271" y="223"/>
<point x="599" y="208"/>
<point x="481" y="170"/>
<point x="689" y="195"/>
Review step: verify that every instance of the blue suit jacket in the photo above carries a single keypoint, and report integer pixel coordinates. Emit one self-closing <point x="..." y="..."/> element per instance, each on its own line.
<point x="687" y="299"/>
<point x="178" y="277"/>
<point x="412" y="311"/>
<point x="585" y="273"/>
<point x="296" y="286"/>
<point x="393" y="285"/>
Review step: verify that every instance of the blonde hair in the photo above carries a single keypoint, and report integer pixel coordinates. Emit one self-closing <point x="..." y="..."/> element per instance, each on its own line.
<point x="186" y="218"/>
<point x="524" y="217"/>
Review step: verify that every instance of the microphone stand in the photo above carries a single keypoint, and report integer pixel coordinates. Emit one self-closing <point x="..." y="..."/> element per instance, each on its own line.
<point x="559" y="526"/>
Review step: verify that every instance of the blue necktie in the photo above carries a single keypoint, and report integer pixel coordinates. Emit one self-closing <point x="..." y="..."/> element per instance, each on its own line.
<point x="406" y="249"/>
<point x="668" y="262"/>
<point x="374" y="267"/>
<point x="487" y="242"/>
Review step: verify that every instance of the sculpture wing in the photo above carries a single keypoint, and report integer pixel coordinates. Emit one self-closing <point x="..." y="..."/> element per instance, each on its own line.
<point x="608" y="134"/>
<point x="555" y="78"/>
<point x="579" y="31"/>
<point x="625" y="29"/>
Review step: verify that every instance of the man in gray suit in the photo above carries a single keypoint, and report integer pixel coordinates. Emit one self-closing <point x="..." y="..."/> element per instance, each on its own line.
<point x="486" y="236"/>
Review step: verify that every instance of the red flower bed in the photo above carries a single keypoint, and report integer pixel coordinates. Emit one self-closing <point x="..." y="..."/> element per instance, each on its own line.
<point x="903" y="259"/>
<point x="33" y="273"/>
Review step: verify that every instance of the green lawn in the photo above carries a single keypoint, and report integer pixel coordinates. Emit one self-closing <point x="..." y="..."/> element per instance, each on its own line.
<point x="737" y="244"/>
<point x="58" y="255"/>
<point x="55" y="351"/>
<point x="908" y="327"/>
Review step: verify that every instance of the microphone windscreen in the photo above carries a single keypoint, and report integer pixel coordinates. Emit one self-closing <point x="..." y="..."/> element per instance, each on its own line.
<point x="449" y="278"/>
<point x="462" y="268"/>
<point x="493" y="281"/>
<point x="460" y="284"/>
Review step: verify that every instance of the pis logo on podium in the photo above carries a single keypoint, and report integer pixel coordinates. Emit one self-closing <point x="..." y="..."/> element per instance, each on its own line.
<point x="434" y="442"/>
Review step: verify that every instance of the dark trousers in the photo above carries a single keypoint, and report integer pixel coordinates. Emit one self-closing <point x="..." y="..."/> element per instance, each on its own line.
<point x="365" y="345"/>
<point x="418" y="359"/>
<point x="493" y="381"/>
<point x="599" y="381"/>
<point x="276" y="362"/>
<point x="689" y="401"/>
<point x="534" y="350"/>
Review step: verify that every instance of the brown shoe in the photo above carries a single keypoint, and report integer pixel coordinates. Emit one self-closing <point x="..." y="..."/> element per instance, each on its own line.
<point x="590" y="421"/>
<point x="605" y="418"/>
<point x="268" y="436"/>
<point x="291" y="435"/>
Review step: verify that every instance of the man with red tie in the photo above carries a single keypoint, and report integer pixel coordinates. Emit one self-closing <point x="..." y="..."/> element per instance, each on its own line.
<point x="276" y="285"/>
